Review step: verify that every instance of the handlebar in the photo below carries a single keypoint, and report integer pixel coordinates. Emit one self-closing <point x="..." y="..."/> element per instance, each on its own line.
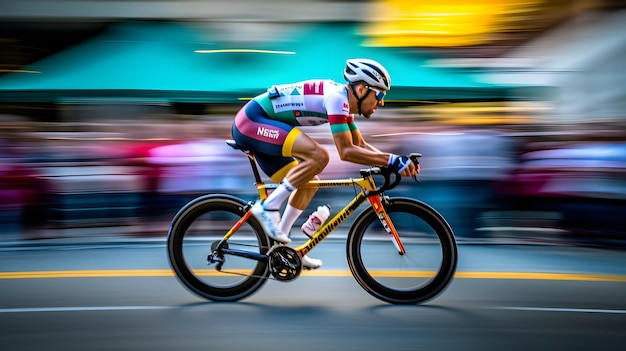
<point x="386" y="172"/>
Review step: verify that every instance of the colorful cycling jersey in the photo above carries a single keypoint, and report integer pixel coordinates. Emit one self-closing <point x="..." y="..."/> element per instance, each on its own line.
<point x="309" y="103"/>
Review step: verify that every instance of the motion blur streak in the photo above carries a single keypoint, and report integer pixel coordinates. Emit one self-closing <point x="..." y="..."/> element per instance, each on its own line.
<point x="83" y="309"/>
<point x="329" y="273"/>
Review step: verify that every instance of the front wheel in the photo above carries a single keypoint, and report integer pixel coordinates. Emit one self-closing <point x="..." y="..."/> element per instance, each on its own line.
<point x="194" y="234"/>
<point x="422" y="272"/>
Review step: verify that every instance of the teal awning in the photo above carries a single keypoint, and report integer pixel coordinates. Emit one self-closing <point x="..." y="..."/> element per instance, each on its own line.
<point x="159" y="61"/>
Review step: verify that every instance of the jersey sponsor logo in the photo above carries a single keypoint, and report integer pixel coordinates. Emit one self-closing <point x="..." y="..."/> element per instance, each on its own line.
<point x="346" y="108"/>
<point x="298" y="113"/>
<point x="311" y="121"/>
<point x="288" y="103"/>
<point x="268" y="133"/>
<point x="314" y="88"/>
<point x="310" y="118"/>
<point x="290" y="98"/>
<point x="288" y="89"/>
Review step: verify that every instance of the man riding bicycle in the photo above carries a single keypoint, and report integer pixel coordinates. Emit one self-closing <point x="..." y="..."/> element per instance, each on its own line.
<point x="266" y="126"/>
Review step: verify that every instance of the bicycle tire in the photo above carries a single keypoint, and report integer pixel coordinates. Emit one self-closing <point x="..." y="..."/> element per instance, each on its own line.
<point x="202" y="222"/>
<point x="419" y="275"/>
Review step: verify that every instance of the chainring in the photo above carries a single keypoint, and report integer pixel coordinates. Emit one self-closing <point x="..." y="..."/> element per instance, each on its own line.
<point x="284" y="263"/>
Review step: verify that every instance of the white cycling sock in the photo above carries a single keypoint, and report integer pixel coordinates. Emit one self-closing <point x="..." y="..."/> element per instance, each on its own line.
<point x="288" y="219"/>
<point x="279" y="195"/>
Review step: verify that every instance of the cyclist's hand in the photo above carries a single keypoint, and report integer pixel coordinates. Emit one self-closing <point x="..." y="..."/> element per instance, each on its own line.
<point x="411" y="171"/>
<point x="403" y="165"/>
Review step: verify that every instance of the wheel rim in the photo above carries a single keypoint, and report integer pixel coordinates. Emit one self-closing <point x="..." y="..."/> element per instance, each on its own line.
<point x="189" y="246"/>
<point x="418" y="275"/>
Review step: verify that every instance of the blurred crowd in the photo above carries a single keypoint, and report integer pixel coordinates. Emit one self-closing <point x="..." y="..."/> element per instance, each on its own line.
<point x="523" y="182"/>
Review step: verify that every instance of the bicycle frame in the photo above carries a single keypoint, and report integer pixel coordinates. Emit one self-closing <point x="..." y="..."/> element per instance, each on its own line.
<point x="368" y="191"/>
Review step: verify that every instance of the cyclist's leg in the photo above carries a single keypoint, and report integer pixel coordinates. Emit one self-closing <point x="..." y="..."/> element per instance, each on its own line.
<point x="267" y="138"/>
<point x="312" y="159"/>
<point x="298" y="201"/>
<point x="254" y="130"/>
<point x="276" y="154"/>
<point x="300" y="198"/>
<point x="271" y="164"/>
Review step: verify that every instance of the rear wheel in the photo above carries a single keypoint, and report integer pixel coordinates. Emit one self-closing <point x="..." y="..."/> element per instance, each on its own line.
<point x="196" y="231"/>
<point x="422" y="272"/>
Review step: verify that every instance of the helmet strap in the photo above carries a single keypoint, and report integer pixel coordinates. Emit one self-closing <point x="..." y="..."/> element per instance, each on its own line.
<point x="359" y="100"/>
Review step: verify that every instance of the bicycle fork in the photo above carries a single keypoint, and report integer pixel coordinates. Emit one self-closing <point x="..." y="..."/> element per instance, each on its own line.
<point x="385" y="221"/>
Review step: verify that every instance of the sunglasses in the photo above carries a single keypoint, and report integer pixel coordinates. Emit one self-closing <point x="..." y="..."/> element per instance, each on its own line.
<point x="380" y="94"/>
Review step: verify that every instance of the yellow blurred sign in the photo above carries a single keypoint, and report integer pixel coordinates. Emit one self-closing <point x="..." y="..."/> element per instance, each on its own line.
<point x="443" y="23"/>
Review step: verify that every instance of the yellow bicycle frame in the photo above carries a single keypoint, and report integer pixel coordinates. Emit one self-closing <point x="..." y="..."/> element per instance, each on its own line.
<point x="366" y="186"/>
<point x="367" y="191"/>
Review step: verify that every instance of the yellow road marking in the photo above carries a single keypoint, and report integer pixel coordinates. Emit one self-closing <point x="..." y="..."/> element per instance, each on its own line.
<point x="87" y="274"/>
<point x="318" y="273"/>
<point x="543" y="276"/>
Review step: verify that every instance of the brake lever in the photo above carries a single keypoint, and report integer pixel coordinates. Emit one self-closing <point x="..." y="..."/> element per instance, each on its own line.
<point x="414" y="157"/>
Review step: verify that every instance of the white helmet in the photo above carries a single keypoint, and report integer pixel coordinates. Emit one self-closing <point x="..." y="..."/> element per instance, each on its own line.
<point x="368" y="71"/>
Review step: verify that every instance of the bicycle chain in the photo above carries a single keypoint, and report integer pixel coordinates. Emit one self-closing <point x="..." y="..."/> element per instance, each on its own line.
<point x="269" y="276"/>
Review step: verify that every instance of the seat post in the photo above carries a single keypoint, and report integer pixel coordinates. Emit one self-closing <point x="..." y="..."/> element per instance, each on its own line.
<point x="255" y="170"/>
<point x="253" y="165"/>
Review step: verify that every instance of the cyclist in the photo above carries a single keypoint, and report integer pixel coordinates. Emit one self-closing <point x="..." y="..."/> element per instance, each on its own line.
<point x="266" y="125"/>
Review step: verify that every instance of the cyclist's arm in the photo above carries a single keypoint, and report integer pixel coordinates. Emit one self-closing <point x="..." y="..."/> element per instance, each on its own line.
<point x="348" y="139"/>
<point x="352" y="148"/>
<point x="365" y="155"/>
<point x="357" y="139"/>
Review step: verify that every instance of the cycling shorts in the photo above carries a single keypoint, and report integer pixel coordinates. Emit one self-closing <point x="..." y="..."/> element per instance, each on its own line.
<point x="270" y="141"/>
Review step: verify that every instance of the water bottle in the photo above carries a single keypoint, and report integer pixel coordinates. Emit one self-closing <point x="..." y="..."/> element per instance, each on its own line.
<point x="316" y="219"/>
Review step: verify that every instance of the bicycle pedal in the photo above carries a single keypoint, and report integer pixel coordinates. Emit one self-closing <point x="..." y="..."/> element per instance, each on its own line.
<point x="278" y="243"/>
<point x="309" y="268"/>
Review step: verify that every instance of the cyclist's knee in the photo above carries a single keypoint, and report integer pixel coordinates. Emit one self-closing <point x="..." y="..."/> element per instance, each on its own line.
<point x="321" y="157"/>
<point x="313" y="154"/>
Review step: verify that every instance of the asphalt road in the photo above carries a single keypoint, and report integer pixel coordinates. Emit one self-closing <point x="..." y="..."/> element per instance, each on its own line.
<point x="110" y="295"/>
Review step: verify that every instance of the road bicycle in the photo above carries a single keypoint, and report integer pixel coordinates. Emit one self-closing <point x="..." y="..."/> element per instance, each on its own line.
<point x="399" y="249"/>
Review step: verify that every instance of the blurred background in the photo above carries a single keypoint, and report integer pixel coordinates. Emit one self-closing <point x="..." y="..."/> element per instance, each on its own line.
<point x="113" y="114"/>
